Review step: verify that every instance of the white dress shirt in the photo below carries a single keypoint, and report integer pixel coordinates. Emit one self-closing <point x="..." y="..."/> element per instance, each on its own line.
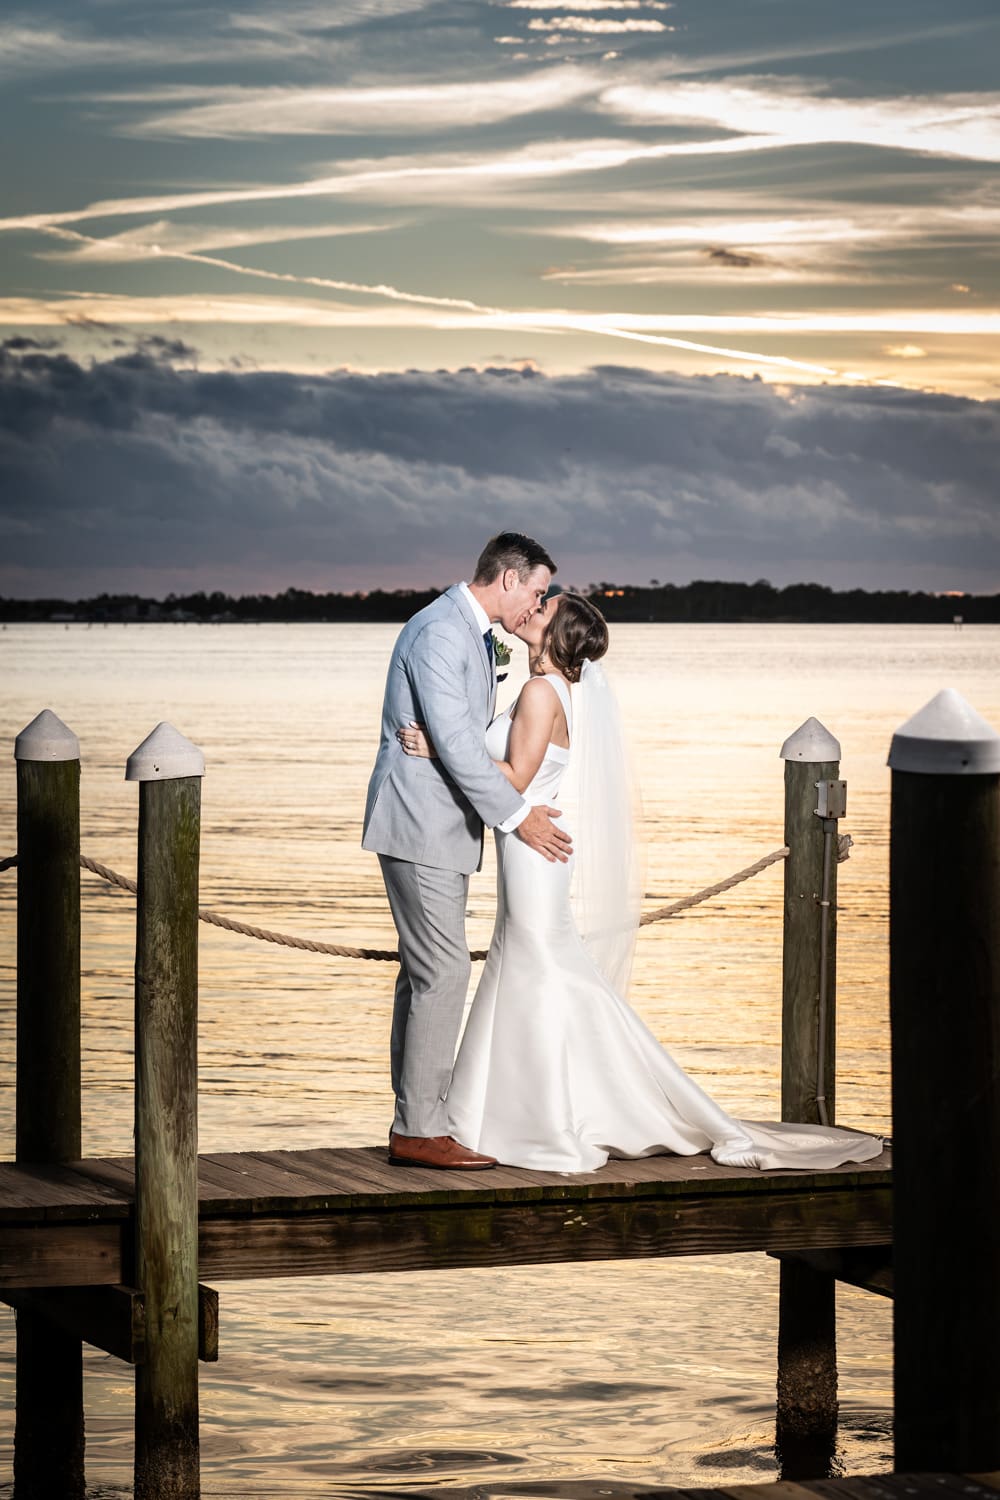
<point x="485" y="623"/>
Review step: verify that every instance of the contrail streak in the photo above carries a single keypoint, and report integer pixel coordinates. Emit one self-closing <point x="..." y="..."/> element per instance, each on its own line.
<point x="157" y="252"/>
<point x="523" y="322"/>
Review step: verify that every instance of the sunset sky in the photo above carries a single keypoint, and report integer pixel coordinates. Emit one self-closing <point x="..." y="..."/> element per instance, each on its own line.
<point x="321" y="295"/>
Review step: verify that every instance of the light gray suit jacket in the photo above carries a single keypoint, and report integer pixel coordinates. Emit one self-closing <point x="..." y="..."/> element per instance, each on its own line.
<point x="432" y="812"/>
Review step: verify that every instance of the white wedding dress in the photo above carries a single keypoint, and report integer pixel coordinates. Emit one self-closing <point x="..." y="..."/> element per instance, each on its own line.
<point x="555" y="1071"/>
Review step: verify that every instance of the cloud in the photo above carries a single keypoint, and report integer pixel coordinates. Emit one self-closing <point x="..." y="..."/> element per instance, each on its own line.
<point x="853" y="243"/>
<point x="605" y="6"/>
<point x="240" y="112"/>
<point x="131" y="464"/>
<point x="706" y="267"/>
<point x="419" y="310"/>
<point x="801" y="47"/>
<point x="592" y="26"/>
<point x="163" y="237"/>
<point x="882" y="227"/>
<point x="397" y="308"/>
<point x="32" y="49"/>
<point x="452" y="176"/>
<point x="293" y="34"/>
<point x="764" y="229"/>
<point x="792" y="112"/>
<point x="719" y="255"/>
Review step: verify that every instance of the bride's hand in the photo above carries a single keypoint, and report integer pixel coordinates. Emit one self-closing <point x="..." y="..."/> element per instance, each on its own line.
<point x="415" y="740"/>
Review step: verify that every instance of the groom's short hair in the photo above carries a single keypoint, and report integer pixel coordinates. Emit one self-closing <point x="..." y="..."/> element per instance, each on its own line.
<point x="511" y="549"/>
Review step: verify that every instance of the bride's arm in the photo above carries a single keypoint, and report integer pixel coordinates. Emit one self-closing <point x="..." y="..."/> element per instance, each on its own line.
<point x="530" y="732"/>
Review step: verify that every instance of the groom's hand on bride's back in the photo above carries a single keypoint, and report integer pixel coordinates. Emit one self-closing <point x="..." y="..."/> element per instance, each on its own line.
<point x="539" y="832"/>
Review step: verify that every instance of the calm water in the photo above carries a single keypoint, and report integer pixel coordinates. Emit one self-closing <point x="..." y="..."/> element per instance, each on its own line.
<point x="598" y="1375"/>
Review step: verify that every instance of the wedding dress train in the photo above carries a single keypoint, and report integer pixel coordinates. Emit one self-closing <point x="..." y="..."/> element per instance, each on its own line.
<point x="556" y="1071"/>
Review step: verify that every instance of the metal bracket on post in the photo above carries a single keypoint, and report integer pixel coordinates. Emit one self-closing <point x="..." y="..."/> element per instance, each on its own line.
<point x="831" y="800"/>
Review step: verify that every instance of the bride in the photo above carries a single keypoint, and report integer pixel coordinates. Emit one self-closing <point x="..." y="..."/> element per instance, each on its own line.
<point x="555" y="1070"/>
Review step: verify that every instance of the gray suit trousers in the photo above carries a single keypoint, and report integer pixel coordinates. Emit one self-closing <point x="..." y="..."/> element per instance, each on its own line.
<point x="428" y="908"/>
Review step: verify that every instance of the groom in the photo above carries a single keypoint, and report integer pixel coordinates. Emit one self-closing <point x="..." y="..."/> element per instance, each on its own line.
<point x="424" y="819"/>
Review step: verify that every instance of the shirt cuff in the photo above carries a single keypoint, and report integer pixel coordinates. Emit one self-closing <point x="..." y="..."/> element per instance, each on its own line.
<point x="516" y="818"/>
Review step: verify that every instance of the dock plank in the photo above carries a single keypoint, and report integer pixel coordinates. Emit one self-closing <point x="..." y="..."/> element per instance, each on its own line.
<point x="424" y="1184"/>
<point x="443" y="1236"/>
<point x="62" y="1254"/>
<point x="56" y="1191"/>
<point x="345" y="1210"/>
<point x="114" y="1171"/>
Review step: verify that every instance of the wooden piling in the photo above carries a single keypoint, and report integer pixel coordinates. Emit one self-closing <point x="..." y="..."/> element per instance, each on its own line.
<point x="806" y="1412"/>
<point x="945" y="1012"/>
<point x="49" y="1424"/>
<point x="168" y="768"/>
<point x="811" y="755"/>
<point x="48" y="941"/>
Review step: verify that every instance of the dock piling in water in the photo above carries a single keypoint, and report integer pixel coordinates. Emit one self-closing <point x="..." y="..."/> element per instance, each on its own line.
<point x="806" y="1413"/>
<point x="945" y="1011"/>
<point x="169" y="769"/>
<point x="49" y="1427"/>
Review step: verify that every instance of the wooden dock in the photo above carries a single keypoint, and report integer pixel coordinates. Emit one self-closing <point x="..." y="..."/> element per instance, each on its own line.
<point x="323" y="1212"/>
<point x="116" y="1252"/>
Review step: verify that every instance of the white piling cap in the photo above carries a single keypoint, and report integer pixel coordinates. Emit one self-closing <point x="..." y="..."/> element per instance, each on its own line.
<point x="164" y="755"/>
<point x="947" y="737"/>
<point x="811" y="742"/>
<point x="46" y="738"/>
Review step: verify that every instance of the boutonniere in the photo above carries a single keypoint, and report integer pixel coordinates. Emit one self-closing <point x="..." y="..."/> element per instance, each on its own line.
<point x="501" y="654"/>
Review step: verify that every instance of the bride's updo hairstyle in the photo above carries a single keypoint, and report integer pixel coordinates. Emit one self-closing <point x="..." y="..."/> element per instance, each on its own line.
<point x="578" y="632"/>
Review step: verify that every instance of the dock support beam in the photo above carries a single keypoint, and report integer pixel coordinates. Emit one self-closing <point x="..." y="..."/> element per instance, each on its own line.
<point x="49" y="1428"/>
<point x="168" y="768"/>
<point x="945" y="1012"/>
<point x="806" y="1414"/>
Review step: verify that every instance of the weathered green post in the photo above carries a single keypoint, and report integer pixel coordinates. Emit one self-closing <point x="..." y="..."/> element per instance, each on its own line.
<point x="169" y="769"/>
<point x="806" y="1416"/>
<point x="49" y="1430"/>
<point x="944" y="893"/>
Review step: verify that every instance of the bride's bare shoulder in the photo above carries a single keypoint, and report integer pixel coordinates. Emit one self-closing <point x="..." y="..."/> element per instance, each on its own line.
<point x="537" y="700"/>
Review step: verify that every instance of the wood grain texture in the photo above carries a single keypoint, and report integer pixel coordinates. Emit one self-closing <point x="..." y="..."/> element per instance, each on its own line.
<point x="49" y="1430"/>
<point x="56" y="1192"/>
<point x="801" y="947"/>
<point x="58" y="1254"/>
<point x="300" y="1181"/>
<point x="806" y="1411"/>
<point x="445" y="1237"/>
<point x="166" y="1137"/>
<point x="344" y="1196"/>
<point x="111" y="1318"/>
<point x="866" y="1267"/>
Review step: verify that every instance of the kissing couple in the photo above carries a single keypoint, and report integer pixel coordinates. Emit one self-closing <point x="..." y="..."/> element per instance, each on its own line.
<point x="555" y="1070"/>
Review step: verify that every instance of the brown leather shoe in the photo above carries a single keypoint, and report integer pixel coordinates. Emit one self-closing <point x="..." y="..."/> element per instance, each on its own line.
<point x="435" y="1151"/>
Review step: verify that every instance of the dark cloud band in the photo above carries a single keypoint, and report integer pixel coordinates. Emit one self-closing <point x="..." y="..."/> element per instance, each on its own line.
<point x="132" y="464"/>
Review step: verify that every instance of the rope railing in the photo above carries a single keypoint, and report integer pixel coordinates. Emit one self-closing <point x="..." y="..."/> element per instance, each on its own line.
<point x="386" y="955"/>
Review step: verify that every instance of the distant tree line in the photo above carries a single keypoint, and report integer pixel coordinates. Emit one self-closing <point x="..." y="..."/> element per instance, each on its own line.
<point x="716" y="601"/>
<point x="704" y="600"/>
